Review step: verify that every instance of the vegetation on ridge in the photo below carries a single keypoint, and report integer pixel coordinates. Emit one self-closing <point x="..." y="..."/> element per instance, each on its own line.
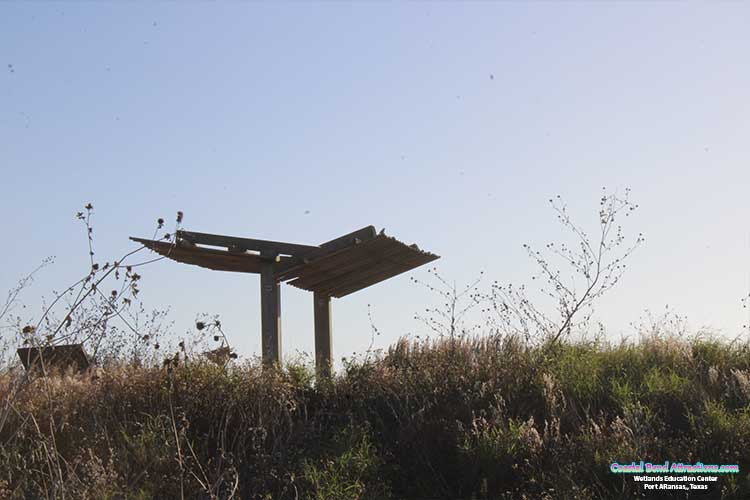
<point x="444" y="419"/>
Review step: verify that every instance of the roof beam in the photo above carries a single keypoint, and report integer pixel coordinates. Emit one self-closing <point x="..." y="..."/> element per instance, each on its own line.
<point x="211" y="258"/>
<point x="353" y="238"/>
<point x="262" y="246"/>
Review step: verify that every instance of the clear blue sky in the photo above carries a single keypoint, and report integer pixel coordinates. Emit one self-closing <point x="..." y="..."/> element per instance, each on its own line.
<point x="245" y="116"/>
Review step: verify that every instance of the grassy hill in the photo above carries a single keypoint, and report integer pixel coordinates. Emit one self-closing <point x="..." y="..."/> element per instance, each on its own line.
<point x="479" y="418"/>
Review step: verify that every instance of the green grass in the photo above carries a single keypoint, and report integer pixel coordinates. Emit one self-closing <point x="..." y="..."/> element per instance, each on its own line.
<point x="482" y="418"/>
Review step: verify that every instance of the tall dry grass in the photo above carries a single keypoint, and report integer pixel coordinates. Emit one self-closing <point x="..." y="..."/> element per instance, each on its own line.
<point x="470" y="418"/>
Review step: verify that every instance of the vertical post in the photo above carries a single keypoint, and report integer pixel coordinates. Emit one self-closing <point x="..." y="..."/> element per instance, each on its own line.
<point x="322" y="313"/>
<point x="270" y="315"/>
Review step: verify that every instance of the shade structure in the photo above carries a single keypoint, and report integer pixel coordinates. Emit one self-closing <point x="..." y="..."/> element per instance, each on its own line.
<point x="336" y="268"/>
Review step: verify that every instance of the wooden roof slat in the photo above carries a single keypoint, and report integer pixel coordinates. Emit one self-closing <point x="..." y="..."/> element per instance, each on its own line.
<point x="333" y="247"/>
<point x="330" y="266"/>
<point x="339" y="266"/>
<point x="343" y="291"/>
<point x="306" y="265"/>
<point x="367" y="276"/>
<point x="396" y="259"/>
<point x="359" y="267"/>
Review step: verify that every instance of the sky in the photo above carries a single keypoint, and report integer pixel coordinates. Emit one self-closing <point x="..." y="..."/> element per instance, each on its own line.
<point x="448" y="124"/>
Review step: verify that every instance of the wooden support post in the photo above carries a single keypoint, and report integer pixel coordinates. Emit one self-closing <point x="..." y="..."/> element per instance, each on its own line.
<point x="270" y="315"/>
<point x="322" y="314"/>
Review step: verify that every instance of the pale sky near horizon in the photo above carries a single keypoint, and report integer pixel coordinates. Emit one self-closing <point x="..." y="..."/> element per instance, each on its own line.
<point x="448" y="124"/>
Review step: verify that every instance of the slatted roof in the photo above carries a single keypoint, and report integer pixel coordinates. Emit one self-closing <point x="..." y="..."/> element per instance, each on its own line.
<point x="336" y="268"/>
<point x="211" y="258"/>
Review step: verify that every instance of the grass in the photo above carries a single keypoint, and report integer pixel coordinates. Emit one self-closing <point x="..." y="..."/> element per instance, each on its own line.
<point x="473" y="418"/>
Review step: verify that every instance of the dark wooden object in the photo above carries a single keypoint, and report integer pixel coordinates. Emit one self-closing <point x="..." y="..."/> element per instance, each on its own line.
<point x="322" y="319"/>
<point x="272" y="248"/>
<point x="335" y="268"/>
<point x="60" y="357"/>
<point x="270" y="315"/>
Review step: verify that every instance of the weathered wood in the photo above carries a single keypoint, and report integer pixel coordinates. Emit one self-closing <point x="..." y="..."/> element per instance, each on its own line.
<point x="323" y="350"/>
<point x="333" y="269"/>
<point x="60" y="357"/>
<point x="353" y="238"/>
<point x="331" y="262"/>
<point x="359" y="266"/>
<point x="262" y="246"/>
<point x="341" y="265"/>
<point x="212" y="258"/>
<point x="363" y="280"/>
<point x="270" y="312"/>
<point x="328" y="249"/>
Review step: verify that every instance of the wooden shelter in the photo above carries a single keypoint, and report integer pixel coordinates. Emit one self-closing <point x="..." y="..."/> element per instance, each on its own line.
<point x="336" y="268"/>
